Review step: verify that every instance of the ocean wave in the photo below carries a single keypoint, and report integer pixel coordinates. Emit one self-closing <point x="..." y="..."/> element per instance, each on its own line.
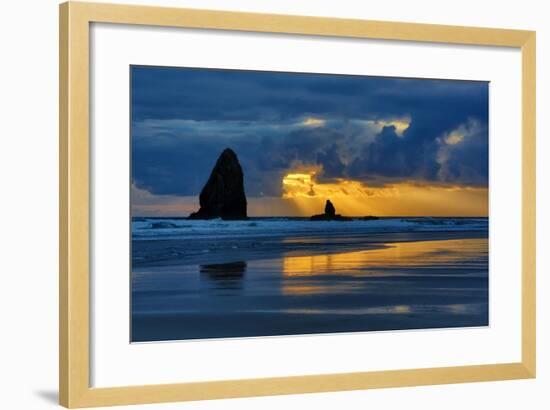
<point x="176" y="228"/>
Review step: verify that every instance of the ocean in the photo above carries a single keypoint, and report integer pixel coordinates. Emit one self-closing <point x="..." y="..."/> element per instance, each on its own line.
<point x="291" y="276"/>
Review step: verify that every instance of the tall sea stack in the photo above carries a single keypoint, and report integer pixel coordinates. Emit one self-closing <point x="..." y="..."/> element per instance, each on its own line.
<point x="223" y="194"/>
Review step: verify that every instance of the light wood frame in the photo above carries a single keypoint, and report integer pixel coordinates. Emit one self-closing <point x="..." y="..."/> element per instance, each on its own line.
<point x="74" y="314"/>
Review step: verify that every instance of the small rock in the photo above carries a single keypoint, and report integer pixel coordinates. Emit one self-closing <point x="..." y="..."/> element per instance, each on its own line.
<point x="330" y="214"/>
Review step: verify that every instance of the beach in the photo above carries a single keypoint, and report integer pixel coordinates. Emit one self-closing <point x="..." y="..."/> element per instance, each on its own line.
<point x="291" y="276"/>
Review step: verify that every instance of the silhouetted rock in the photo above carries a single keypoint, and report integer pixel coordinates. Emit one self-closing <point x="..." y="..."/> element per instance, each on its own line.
<point x="370" y="218"/>
<point x="223" y="194"/>
<point x="330" y="214"/>
<point x="329" y="209"/>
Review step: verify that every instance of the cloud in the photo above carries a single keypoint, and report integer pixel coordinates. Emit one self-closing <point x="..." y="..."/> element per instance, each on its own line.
<point x="146" y="204"/>
<point x="370" y="129"/>
<point x="459" y="154"/>
<point x="313" y="122"/>
<point x="400" y="125"/>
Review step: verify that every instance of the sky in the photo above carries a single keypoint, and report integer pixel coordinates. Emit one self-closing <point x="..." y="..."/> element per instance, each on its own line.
<point x="372" y="145"/>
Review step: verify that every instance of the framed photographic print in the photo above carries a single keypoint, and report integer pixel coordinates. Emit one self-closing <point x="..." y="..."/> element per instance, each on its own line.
<point x="262" y="204"/>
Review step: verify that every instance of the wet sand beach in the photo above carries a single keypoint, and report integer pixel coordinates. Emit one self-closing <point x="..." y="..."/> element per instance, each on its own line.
<point x="236" y="282"/>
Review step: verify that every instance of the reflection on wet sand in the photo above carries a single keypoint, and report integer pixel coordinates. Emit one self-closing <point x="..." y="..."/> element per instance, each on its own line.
<point x="390" y="286"/>
<point x="424" y="254"/>
<point x="456" y="309"/>
<point x="310" y="275"/>
<point x="225" y="275"/>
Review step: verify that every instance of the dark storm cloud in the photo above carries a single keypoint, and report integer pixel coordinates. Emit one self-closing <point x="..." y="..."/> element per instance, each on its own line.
<point x="333" y="166"/>
<point x="183" y="118"/>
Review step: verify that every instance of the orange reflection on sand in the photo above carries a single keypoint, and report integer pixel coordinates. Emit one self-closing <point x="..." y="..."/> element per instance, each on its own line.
<point x="454" y="253"/>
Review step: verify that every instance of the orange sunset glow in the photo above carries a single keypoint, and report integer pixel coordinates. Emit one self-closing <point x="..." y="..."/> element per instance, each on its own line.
<point x="304" y="195"/>
<point x="355" y="198"/>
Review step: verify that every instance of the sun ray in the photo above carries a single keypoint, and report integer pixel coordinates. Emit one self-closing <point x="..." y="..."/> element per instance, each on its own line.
<point x="308" y="193"/>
